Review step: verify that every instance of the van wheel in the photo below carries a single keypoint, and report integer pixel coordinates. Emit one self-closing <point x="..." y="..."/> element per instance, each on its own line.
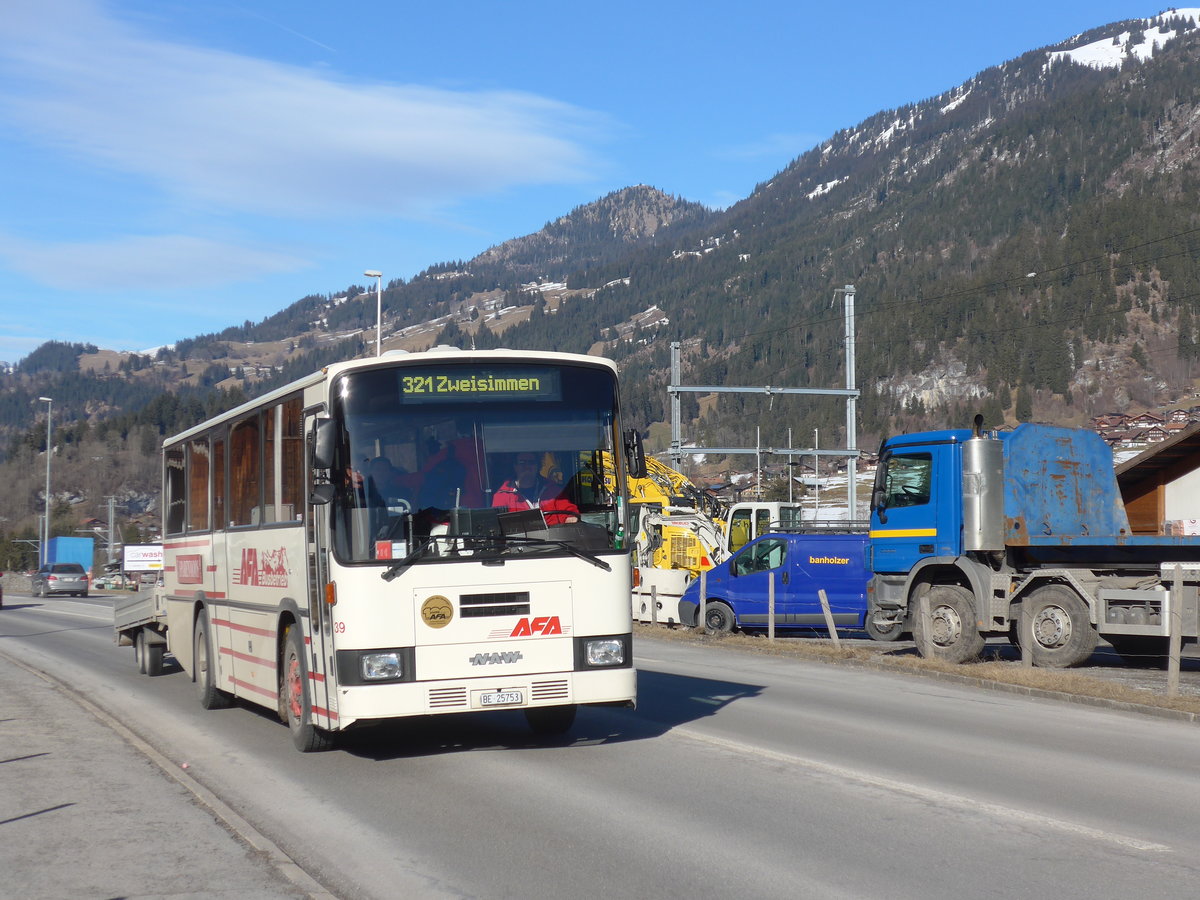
<point x="890" y="631"/>
<point x="718" y="618"/>
<point x="946" y="629"/>
<point x="1059" y="633"/>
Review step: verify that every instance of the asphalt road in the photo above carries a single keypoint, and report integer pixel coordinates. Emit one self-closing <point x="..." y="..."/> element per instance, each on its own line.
<point x="738" y="775"/>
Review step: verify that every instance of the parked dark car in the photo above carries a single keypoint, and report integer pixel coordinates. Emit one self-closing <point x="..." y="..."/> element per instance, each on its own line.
<point x="60" y="578"/>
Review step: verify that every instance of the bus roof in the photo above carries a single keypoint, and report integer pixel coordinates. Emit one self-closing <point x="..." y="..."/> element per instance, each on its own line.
<point x="441" y="353"/>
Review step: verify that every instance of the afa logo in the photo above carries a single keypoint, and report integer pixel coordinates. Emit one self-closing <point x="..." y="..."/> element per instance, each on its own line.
<point x="542" y="625"/>
<point x="437" y="611"/>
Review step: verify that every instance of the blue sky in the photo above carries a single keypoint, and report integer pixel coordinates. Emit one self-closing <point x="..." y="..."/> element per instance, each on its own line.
<point x="172" y="167"/>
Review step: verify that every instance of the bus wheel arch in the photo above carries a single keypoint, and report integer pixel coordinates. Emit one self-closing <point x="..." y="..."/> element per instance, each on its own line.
<point x="296" y="695"/>
<point x="204" y="665"/>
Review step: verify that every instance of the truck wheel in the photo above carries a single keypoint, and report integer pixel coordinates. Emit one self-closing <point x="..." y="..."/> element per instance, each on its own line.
<point x="947" y="631"/>
<point x="877" y="632"/>
<point x="204" y="667"/>
<point x="295" y="696"/>
<point x="139" y="651"/>
<point x="1060" y="634"/>
<point x="718" y="617"/>
<point x="550" y="719"/>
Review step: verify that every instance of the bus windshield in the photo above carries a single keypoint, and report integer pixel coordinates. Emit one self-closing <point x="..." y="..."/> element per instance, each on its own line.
<point x="441" y="461"/>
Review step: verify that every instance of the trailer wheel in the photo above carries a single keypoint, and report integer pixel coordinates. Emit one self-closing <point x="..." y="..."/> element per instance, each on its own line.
<point x="946" y="628"/>
<point x="139" y="651"/>
<point x="153" y="658"/>
<point x="295" y="696"/>
<point x="204" y="669"/>
<point x="718" y="617"/>
<point x="1059" y="634"/>
<point x="550" y="719"/>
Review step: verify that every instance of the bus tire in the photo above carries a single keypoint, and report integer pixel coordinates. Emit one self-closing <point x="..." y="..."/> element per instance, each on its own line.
<point x="550" y="720"/>
<point x="1060" y="633"/>
<point x="204" y="669"/>
<point x="718" y="618"/>
<point x="295" y="696"/>
<point x="946" y="629"/>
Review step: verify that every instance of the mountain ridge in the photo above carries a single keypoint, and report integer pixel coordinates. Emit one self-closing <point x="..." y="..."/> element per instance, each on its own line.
<point x="1023" y="244"/>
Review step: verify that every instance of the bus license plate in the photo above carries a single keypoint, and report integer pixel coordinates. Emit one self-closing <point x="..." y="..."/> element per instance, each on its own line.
<point x="501" y="698"/>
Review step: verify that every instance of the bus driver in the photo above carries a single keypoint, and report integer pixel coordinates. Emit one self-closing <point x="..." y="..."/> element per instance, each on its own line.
<point x="528" y="489"/>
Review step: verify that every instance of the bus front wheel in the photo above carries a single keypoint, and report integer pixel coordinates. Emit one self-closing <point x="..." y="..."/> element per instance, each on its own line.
<point x="295" y="697"/>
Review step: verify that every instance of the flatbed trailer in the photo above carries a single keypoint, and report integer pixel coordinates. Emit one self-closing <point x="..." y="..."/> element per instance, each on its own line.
<point x="140" y="621"/>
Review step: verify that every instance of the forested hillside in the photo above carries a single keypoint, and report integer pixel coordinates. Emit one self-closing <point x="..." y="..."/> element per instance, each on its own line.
<point x="1025" y="245"/>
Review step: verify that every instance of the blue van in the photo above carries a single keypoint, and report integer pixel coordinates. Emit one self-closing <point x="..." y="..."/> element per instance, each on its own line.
<point x="801" y="564"/>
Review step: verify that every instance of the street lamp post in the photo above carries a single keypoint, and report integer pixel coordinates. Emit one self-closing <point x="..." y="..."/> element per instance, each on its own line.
<point x="378" y="276"/>
<point x="46" y="518"/>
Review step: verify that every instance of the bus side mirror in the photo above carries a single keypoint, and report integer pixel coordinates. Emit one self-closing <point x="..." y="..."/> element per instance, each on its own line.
<point x="635" y="454"/>
<point x="321" y="494"/>
<point x="324" y="443"/>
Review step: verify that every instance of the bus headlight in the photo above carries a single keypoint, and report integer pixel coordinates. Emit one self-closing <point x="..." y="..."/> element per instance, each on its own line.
<point x="381" y="666"/>
<point x="604" y="652"/>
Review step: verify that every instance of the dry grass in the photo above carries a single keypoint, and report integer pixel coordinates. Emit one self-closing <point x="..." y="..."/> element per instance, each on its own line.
<point x="1071" y="683"/>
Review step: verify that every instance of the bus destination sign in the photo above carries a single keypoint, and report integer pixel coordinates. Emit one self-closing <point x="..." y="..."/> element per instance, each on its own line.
<point x="470" y="385"/>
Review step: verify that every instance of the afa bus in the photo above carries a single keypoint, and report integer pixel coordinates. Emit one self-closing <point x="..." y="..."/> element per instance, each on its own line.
<point x="345" y="549"/>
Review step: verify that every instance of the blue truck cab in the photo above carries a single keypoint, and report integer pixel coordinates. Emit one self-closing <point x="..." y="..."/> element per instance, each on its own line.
<point x="738" y="590"/>
<point x="1021" y="533"/>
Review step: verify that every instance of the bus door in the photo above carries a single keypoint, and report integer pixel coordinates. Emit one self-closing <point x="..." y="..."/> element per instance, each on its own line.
<point x="317" y="550"/>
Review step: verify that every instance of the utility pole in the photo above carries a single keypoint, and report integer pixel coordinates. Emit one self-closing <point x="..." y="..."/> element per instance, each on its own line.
<point x="112" y="516"/>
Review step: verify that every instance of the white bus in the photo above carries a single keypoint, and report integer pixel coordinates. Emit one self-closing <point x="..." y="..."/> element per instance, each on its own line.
<point x="304" y="574"/>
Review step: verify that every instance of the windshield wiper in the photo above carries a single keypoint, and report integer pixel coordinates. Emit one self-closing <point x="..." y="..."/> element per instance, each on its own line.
<point x="565" y="545"/>
<point x="472" y="543"/>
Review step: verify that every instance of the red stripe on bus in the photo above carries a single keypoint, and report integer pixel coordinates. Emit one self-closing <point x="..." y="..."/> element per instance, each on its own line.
<point x="253" y="687"/>
<point x="175" y="545"/>
<point x="322" y="711"/>
<point x="246" y="657"/>
<point x="245" y="629"/>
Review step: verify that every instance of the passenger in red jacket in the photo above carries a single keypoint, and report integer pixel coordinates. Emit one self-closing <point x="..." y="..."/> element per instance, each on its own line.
<point x="527" y="489"/>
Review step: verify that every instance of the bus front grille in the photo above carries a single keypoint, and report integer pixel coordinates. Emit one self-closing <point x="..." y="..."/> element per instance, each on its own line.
<point x="440" y="698"/>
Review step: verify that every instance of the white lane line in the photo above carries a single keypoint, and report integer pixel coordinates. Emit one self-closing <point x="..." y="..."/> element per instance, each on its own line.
<point x="926" y="794"/>
<point x="76" y="615"/>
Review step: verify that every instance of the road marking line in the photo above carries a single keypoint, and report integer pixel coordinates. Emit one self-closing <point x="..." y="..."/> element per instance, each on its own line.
<point x="75" y="615"/>
<point x="927" y="794"/>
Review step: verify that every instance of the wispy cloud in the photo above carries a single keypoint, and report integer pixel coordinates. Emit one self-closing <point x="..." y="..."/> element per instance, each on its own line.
<point x="154" y="262"/>
<point x="231" y="133"/>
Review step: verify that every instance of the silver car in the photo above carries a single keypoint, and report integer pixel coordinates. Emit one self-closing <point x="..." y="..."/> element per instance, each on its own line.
<point x="60" y="578"/>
